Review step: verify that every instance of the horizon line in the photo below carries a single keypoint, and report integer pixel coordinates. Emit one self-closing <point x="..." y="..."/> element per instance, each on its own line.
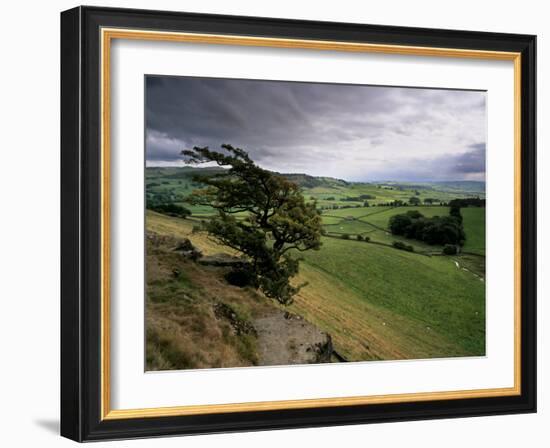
<point x="381" y="181"/>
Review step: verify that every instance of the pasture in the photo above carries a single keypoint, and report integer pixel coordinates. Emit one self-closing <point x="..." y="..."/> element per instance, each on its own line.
<point x="376" y="302"/>
<point x="381" y="303"/>
<point x="373" y="222"/>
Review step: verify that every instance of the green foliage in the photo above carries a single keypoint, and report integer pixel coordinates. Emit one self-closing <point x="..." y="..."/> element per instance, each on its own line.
<point x="454" y="211"/>
<point x="402" y="246"/>
<point x="450" y="249"/>
<point x="414" y="214"/>
<point x="359" y="198"/>
<point x="436" y="230"/>
<point x="344" y="236"/>
<point x="278" y="221"/>
<point x="414" y="201"/>
<point x="170" y="209"/>
<point x="467" y="202"/>
<point x="240" y="277"/>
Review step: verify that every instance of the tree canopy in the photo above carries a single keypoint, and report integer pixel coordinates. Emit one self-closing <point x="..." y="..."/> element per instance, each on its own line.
<point x="259" y="213"/>
<point x="436" y="230"/>
<point x="169" y="209"/>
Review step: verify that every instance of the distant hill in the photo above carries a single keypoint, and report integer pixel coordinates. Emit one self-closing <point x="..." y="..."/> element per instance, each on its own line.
<point x="185" y="172"/>
<point x="456" y="186"/>
<point x="306" y="181"/>
<point x="181" y="172"/>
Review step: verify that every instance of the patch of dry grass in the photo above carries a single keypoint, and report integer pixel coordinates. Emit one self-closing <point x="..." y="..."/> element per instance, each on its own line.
<point x="182" y="330"/>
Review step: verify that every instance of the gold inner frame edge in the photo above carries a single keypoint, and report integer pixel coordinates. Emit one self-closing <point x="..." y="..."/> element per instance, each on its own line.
<point x="107" y="35"/>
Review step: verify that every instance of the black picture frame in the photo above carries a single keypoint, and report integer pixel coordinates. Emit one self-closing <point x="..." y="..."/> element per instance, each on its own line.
<point x="81" y="224"/>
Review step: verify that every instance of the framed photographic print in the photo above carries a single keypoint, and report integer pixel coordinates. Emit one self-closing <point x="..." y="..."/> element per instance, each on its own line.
<point x="276" y="224"/>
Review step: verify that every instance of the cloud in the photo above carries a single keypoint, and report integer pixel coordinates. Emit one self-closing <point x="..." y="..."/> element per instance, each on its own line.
<point x="346" y="131"/>
<point x="472" y="162"/>
<point x="469" y="165"/>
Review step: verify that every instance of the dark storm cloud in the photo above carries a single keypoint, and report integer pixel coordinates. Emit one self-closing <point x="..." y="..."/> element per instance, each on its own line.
<point x="469" y="165"/>
<point x="353" y="132"/>
<point x="469" y="162"/>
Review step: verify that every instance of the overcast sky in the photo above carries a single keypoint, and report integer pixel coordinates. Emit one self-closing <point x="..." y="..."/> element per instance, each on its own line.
<point x="352" y="132"/>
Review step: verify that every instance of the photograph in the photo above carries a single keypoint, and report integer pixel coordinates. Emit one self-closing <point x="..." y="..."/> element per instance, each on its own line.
<point x="274" y="223"/>
<point x="292" y="223"/>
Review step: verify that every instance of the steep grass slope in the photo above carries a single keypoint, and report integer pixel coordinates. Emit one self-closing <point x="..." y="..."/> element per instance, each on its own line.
<point x="381" y="303"/>
<point x="375" y="301"/>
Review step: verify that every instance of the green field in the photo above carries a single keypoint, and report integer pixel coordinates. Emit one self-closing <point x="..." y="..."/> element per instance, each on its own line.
<point x="474" y="226"/>
<point x="399" y="304"/>
<point x="355" y="212"/>
<point x="382" y="218"/>
<point x="176" y="183"/>
<point x="373" y="222"/>
<point x="375" y="301"/>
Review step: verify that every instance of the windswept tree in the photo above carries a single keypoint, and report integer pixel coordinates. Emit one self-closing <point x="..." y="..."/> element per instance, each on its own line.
<point x="278" y="223"/>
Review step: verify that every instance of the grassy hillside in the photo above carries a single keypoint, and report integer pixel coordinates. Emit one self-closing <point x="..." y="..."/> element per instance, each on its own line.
<point x="381" y="303"/>
<point x="375" y="301"/>
<point x="182" y="328"/>
<point x="474" y="226"/>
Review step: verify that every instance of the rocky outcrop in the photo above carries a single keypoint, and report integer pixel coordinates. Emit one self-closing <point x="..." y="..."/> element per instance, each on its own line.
<point x="182" y="246"/>
<point x="270" y="336"/>
<point x="240" y="326"/>
<point x="157" y="240"/>
<point x="186" y="248"/>
<point x="285" y="338"/>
